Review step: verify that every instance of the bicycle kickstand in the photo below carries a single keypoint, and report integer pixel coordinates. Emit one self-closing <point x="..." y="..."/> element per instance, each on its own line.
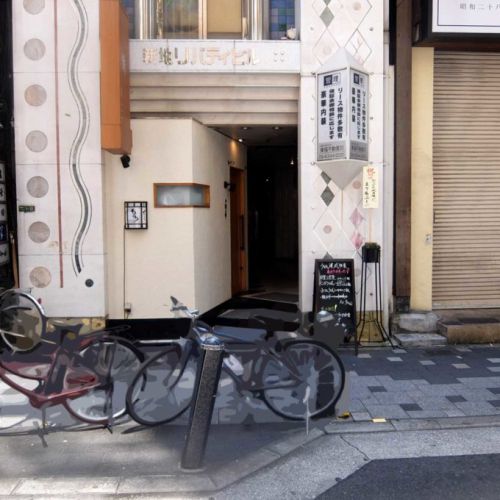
<point x="44" y="420"/>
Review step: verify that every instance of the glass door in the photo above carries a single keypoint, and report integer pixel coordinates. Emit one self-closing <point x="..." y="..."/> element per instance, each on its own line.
<point x="180" y="18"/>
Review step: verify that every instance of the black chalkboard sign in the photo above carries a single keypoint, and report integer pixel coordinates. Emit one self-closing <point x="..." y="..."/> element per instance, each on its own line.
<point x="334" y="292"/>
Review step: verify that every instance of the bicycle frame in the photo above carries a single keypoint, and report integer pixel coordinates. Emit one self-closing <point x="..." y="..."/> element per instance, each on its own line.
<point x="50" y="391"/>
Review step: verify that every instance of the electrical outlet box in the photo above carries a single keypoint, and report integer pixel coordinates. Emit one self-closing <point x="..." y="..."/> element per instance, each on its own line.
<point x="127" y="307"/>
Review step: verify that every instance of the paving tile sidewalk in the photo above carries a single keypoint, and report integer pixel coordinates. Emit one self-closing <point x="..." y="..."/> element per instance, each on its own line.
<point x="451" y="381"/>
<point x="136" y="460"/>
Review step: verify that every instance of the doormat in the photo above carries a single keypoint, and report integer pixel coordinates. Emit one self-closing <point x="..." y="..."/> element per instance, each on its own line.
<point x="278" y="297"/>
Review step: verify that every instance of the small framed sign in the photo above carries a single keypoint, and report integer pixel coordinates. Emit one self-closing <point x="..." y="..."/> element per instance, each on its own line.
<point x="136" y="215"/>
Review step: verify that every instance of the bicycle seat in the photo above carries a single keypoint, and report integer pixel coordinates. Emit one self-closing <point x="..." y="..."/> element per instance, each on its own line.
<point x="240" y="335"/>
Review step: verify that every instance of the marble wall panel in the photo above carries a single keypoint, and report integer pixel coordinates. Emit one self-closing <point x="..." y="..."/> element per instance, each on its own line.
<point x="57" y="117"/>
<point x="327" y="26"/>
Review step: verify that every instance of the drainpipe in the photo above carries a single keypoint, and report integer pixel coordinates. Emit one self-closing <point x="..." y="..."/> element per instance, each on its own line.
<point x="145" y="19"/>
<point x="255" y="23"/>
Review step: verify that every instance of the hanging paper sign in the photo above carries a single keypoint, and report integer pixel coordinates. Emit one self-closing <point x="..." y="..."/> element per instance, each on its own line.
<point x="370" y="187"/>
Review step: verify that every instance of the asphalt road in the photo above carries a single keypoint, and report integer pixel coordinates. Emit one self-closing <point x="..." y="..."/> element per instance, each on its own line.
<point x="443" y="478"/>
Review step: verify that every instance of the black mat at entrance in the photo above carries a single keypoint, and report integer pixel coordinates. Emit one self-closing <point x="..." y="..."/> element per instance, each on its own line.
<point x="278" y="297"/>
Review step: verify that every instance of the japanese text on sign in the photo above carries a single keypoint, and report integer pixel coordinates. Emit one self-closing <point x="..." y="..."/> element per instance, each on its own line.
<point x="334" y="291"/>
<point x="473" y="16"/>
<point x="370" y="187"/>
<point x="331" y="117"/>
<point x="205" y="56"/>
<point x="359" y="123"/>
<point x="342" y="115"/>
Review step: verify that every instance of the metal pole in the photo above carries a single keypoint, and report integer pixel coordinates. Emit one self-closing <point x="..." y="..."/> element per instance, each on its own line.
<point x="145" y="19"/>
<point x="202" y="406"/>
<point x="255" y="19"/>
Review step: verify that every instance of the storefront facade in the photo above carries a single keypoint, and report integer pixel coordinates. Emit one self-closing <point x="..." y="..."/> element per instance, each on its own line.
<point x="212" y="85"/>
<point x="446" y="206"/>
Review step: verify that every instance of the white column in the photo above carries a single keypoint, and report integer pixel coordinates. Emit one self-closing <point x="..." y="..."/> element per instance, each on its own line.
<point x="58" y="154"/>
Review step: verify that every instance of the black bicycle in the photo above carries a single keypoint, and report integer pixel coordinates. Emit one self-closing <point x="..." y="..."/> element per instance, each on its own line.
<point x="296" y="377"/>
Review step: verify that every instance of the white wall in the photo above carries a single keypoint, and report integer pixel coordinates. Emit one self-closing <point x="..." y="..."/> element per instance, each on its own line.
<point x="185" y="252"/>
<point x="212" y="227"/>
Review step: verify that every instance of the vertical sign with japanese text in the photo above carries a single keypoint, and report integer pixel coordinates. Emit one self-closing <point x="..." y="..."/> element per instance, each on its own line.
<point x="359" y="123"/>
<point x="370" y="187"/>
<point x="342" y="115"/>
<point x="331" y="116"/>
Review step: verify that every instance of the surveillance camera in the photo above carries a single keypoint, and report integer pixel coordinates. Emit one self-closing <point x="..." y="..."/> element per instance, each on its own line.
<point x="125" y="159"/>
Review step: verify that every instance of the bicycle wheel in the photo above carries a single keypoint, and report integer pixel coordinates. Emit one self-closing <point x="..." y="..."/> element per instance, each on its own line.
<point x="22" y="321"/>
<point x="310" y="388"/>
<point x="163" y="388"/>
<point x="114" y="362"/>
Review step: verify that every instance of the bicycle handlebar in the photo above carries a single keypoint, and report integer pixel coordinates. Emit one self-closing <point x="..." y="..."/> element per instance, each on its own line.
<point x="193" y="314"/>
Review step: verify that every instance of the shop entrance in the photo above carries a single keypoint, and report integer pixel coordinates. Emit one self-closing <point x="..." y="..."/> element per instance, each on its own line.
<point x="273" y="247"/>
<point x="265" y="213"/>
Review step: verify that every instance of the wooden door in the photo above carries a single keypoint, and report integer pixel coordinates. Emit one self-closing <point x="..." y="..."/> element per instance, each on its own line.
<point x="238" y="232"/>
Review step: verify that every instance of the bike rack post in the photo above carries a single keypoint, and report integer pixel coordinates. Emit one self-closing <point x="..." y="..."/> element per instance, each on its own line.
<point x="202" y="406"/>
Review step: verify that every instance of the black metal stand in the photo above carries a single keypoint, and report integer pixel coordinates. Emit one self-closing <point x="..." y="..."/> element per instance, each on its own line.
<point x="371" y="255"/>
<point x="202" y="406"/>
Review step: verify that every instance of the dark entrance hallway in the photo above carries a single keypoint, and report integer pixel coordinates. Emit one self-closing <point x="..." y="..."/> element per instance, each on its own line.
<point x="273" y="221"/>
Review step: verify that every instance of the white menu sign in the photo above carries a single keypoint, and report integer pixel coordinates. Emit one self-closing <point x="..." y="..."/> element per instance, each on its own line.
<point x="342" y="115"/>
<point x="459" y="16"/>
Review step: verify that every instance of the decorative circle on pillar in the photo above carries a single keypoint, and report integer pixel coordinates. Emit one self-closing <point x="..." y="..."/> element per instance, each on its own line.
<point x="34" y="6"/>
<point x="34" y="49"/>
<point x="39" y="232"/>
<point x="89" y="283"/>
<point x="40" y="277"/>
<point x="327" y="229"/>
<point x="37" y="186"/>
<point x="356" y="184"/>
<point x="356" y="5"/>
<point x="36" y="141"/>
<point x="35" y="95"/>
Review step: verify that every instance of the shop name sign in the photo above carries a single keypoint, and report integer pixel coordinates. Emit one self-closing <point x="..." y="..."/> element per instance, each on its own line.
<point x="212" y="56"/>
<point x="342" y="115"/>
<point x="459" y="16"/>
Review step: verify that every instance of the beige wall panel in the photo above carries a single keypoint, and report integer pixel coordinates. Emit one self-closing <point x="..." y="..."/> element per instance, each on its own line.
<point x="185" y="252"/>
<point x="157" y="260"/>
<point x="212" y="227"/>
<point x="421" y="179"/>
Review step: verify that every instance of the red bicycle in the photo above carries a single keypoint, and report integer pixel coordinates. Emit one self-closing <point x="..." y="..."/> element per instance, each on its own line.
<point x="89" y="374"/>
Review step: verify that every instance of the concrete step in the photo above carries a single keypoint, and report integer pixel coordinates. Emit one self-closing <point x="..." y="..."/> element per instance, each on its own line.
<point x="420" y="339"/>
<point x="414" y="322"/>
<point x="479" y="330"/>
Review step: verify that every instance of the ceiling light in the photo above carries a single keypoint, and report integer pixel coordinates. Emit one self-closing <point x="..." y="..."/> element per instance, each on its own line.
<point x="245" y="128"/>
<point x="240" y="139"/>
<point x="276" y="127"/>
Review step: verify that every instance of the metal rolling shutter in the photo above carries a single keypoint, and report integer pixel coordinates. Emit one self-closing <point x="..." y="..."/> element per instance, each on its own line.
<point x="466" y="252"/>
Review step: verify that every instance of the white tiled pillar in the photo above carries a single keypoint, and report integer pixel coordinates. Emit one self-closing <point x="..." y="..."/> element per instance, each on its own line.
<point x="333" y="221"/>
<point x="58" y="154"/>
